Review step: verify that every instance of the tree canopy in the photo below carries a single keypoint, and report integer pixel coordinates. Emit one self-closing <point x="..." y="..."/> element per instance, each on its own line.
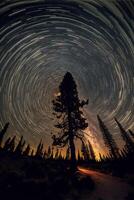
<point x="68" y="110"/>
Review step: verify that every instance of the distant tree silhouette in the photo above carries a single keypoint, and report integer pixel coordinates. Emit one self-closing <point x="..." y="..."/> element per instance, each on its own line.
<point x="11" y="145"/>
<point x="45" y="154"/>
<point x="39" y="151"/>
<point x="92" y="153"/>
<point x="129" y="144"/>
<point x="68" y="153"/>
<point x="7" y="144"/>
<point x="60" y="155"/>
<point x="108" y="139"/>
<point x="3" y="131"/>
<point x="123" y="154"/>
<point x="32" y="153"/>
<point x="57" y="153"/>
<point x="67" y="107"/>
<point x="27" y="150"/>
<point x="100" y="156"/>
<point x="20" y="146"/>
<point x="49" y="152"/>
<point x="85" y="151"/>
<point x="52" y="153"/>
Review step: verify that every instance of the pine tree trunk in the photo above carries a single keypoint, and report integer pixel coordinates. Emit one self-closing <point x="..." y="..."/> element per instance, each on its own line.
<point x="73" y="166"/>
<point x="73" y="156"/>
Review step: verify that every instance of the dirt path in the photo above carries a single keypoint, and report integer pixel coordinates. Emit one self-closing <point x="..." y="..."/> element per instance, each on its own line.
<point x="107" y="187"/>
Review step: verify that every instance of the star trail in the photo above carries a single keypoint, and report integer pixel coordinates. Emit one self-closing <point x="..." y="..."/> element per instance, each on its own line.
<point x="41" y="40"/>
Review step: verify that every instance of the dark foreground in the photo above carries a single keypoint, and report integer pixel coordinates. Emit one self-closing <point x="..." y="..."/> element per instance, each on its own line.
<point x="28" y="178"/>
<point x="31" y="178"/>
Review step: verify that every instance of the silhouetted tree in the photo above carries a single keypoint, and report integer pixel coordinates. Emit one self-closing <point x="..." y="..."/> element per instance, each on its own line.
<point x="39" y="151"/>
<point x="45" y="154"/>
<point x="123" y="153"/>
<point x="129" y="144"/>
<point x="2" y="132"/>
<point x="92" y="154"/>
<point x="49" y="152"/>
<point x="108" y="139"/>
<point x="20" y="146"/>
<point x="11" y="145"/>
<point x="57" y="153"/>
<point x="67" y="107"/>
<point x="6" y="145"/>
<point x="68" y="153"/>
<point x="27" y="151"/>
<point x="85" y="151"/>
<point x="52" y="153"/>
<point x="101" y="157"/>
<point x="60" y="155"/>
<point x="32" y="153"/>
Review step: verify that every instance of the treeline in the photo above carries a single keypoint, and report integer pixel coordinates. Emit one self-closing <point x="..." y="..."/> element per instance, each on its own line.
<point x="20" y="148"/>
<point x="85" y="153"/>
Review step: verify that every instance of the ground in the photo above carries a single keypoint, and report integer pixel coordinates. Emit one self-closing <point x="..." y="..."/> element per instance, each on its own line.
<point x="108" y="187"/>
<point x="37" y="179"/>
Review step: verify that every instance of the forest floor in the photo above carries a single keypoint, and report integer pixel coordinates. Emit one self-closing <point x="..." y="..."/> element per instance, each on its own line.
<point x="37" y="179"/>
<point x="27" y="178"/>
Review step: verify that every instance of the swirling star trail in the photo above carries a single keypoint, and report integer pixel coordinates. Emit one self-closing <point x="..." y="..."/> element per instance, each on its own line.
<point x="41" y="40"/>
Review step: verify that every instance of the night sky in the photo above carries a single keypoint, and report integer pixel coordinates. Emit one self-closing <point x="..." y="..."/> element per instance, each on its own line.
<point x="41" y="40"/>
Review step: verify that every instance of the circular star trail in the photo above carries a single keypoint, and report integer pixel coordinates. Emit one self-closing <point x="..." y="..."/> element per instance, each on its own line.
<point x="41" y="40"/>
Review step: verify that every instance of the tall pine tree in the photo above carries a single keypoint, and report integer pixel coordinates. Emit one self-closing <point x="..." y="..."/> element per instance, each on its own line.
<point x="129" y="144"/>
<point x="108" y="139"/>
<point x="71" y="122"/>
